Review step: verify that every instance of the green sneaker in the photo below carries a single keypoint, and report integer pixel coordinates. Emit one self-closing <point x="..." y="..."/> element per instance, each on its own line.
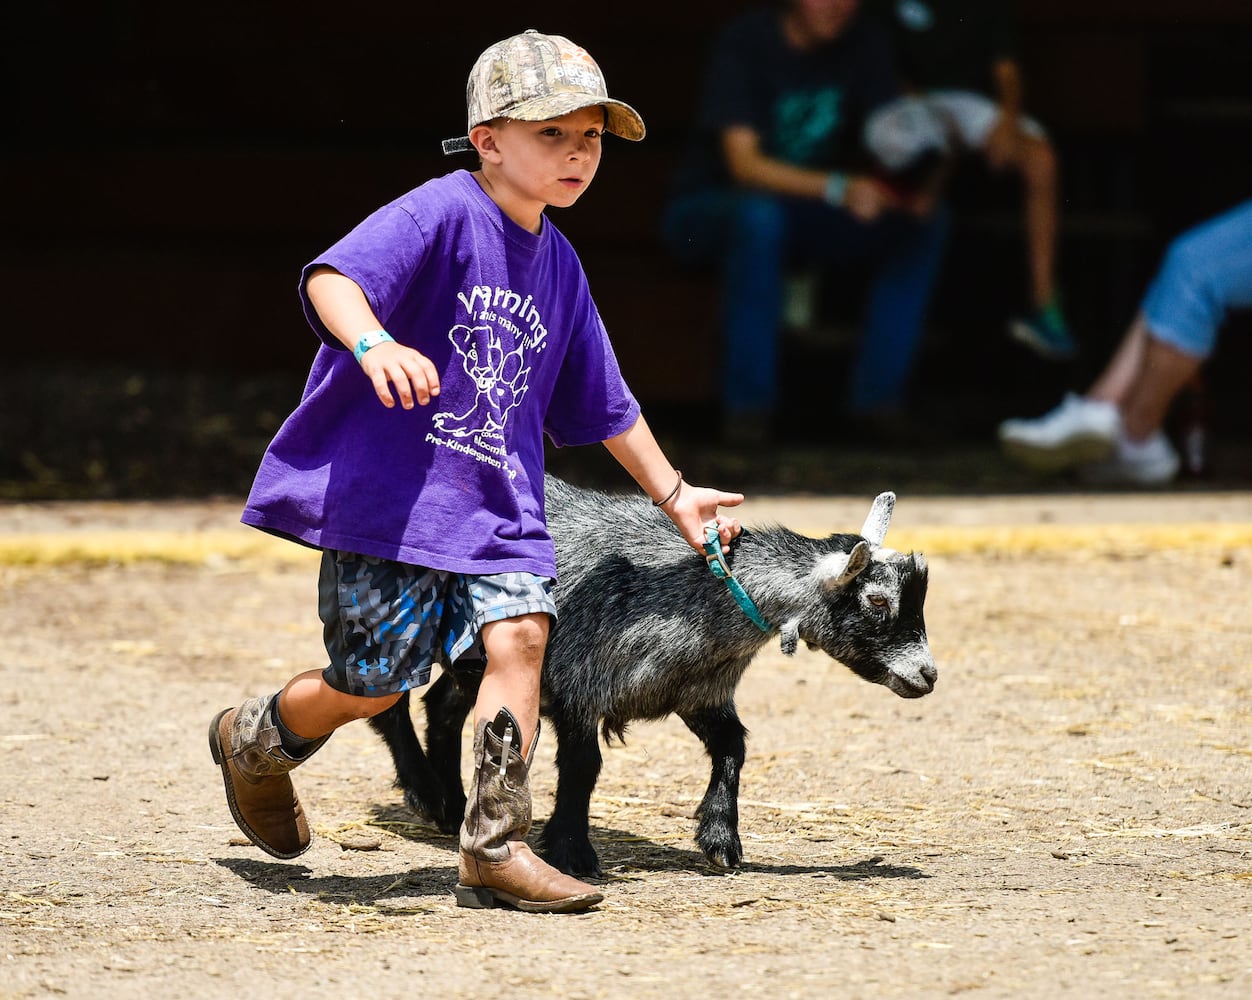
<point x="1045" y="332"/>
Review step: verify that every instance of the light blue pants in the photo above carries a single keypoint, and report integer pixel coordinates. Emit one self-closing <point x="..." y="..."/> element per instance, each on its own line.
<point x="1207" y="272"/>
<point x="756" y="237"/>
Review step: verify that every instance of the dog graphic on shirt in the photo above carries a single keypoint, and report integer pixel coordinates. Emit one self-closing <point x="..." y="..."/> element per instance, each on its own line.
<point x="499" y="382"/>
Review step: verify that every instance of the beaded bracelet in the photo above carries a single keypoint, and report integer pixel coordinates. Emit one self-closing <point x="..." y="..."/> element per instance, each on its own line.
<point x="371" y="339"/>
<point x="672" y="493"/>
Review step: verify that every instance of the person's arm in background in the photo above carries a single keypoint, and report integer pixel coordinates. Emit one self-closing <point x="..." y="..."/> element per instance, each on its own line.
<point x="734" y="109"/>
<point x="749" y="166"/>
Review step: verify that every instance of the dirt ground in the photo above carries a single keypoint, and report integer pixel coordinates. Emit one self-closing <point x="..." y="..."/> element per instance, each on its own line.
<point x="1068" y="815"/>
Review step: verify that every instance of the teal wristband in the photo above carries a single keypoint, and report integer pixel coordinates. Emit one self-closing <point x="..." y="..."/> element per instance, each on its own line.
<point x="836" y="188"/>
<point x="371" y="339"/>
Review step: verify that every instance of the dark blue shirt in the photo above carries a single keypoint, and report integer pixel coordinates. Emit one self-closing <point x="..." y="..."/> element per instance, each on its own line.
<point x="808" y="107"/>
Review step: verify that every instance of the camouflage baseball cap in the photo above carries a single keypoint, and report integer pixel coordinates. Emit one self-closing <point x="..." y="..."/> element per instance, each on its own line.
<point x="532" y="77"/>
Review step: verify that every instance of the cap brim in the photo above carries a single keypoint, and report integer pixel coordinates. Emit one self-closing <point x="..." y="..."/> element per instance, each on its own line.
<point x="623" y="120"/>
<point x="619" y="118"/>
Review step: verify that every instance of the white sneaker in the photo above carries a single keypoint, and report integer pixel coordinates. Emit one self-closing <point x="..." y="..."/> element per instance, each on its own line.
<point x="1078" y="432"/>
<point x="1153" y="462"/>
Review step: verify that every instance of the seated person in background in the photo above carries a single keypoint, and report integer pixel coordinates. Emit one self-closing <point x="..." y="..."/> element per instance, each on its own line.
<point x="952" y="55"/>
<point x="1114" y="433"/>
<point x="777" y="176"/>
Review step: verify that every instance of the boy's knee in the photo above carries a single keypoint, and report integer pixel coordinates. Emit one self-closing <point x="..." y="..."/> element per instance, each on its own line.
<point x="522" y="639"/>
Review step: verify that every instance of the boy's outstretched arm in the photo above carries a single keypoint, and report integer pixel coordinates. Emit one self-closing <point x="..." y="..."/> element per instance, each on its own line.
<point x="689" y="507"/>
<point x="343" y="307"/>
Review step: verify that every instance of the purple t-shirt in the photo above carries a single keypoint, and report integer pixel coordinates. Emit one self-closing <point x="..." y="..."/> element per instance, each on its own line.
<point x="508" y="320"/>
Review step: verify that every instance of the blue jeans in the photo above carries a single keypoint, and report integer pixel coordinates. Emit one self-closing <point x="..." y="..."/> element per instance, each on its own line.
<point x="1207" y="272"/>
<point x="756" y="237"/>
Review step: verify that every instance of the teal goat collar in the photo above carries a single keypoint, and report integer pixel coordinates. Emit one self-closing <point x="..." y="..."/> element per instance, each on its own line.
<point x="721" y="569"/>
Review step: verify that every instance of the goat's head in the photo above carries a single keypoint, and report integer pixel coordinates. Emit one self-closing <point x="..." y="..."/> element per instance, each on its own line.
<point x="869" y="608"/>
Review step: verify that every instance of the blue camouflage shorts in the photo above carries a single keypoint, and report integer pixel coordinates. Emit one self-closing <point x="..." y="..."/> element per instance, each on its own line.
<point x="385" y="622"/>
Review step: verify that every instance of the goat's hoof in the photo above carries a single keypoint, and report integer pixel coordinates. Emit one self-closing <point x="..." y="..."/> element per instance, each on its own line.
<point x="576" y="868"/>
<point x="453" y="815"/>
<point x="432" y="813"/>
<point x="579" y="862"/>
<point x="724" y="853"/>
<point x="723" y="860"/>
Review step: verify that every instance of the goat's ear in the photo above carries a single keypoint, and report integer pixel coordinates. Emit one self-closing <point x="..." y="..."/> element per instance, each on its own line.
<point x="842" y="569"/>
<point x="875" y="528"/>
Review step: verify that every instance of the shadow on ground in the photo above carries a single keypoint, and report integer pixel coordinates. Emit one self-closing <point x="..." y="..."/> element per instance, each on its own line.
<point x="128" y="434"/>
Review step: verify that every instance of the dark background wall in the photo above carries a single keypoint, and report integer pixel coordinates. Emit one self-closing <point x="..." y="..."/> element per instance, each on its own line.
<point x="168" y="168"/>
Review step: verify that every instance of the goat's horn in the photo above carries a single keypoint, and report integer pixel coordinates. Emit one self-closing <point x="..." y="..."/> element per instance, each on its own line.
<point x="875" y="528"/>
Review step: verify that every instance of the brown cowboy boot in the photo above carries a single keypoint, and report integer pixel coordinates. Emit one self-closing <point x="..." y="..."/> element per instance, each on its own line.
<point x="497" y="866"/>
<point x="246" y="744"/>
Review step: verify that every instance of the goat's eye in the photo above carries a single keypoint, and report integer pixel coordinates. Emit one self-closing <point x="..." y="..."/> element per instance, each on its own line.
<point x="878" y="601"/>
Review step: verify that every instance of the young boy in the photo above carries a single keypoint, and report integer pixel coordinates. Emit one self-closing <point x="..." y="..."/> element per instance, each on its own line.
<point x="463" y="303"/>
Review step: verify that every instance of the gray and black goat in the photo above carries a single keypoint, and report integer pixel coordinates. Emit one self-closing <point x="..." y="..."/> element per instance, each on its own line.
<point x="645" y="630"/>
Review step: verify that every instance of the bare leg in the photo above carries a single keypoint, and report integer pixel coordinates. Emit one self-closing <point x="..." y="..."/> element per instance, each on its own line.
<point x="1122" y="371"/>
<point x="514" y="648"/>
<point x="1165" y="370"/>
<point x="1036" y="161"/>
<point x="311" y="708"/>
